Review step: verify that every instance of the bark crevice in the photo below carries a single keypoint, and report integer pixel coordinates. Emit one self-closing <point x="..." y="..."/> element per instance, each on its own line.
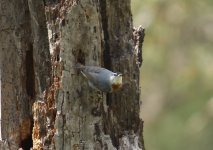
<point x="30" y="73"/>
<point x="105" y="41"/>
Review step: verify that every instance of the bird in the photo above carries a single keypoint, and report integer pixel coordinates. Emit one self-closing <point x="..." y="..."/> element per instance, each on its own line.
<point x="100" y="78"/>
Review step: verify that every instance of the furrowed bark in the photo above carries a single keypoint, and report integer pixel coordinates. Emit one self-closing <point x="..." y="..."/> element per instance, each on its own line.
<point x="24" y="67"/>
<point x="44" y="99"/>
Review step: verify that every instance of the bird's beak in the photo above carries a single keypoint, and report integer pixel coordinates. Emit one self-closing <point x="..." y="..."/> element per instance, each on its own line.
<point x="120" y="75"/>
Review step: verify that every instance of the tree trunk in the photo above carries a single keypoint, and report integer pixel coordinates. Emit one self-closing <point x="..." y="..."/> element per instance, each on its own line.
<point x="49" y="95"/>
<point x="24" y="68"/>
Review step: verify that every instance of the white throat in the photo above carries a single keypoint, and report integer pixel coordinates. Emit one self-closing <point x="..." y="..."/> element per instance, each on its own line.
<point x="116" y="79"/>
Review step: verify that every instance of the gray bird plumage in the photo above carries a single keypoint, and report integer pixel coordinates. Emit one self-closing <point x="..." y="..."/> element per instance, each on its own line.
<point x="100" y="78"/>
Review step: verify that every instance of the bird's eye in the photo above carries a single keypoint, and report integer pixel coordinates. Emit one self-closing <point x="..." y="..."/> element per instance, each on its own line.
<point x="115" y="74"/>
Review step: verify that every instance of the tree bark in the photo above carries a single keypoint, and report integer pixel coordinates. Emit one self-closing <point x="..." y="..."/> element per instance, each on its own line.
<point x="24" y="68"/>
<point x="48" y="94"/>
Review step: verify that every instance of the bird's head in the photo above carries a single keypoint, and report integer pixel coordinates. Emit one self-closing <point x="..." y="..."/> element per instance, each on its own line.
<point x="116" y="81"/>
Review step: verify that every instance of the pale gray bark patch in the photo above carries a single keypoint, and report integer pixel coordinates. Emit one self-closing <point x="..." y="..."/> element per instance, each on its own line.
<point x="77" y="106"/>
<point x="138" y="36"/>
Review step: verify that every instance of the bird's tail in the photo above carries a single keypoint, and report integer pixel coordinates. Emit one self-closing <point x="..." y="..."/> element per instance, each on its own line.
<point x="79" y="66"/>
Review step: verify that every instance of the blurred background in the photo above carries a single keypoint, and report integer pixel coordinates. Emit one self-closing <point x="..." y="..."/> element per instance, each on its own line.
<point x="177" y="73"/>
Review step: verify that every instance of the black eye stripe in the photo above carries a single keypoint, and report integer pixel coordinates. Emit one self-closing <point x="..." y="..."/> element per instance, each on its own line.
<point x="117" y="74"/>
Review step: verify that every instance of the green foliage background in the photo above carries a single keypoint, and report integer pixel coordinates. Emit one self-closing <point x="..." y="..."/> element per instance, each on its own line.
<point x="177" y="73"/>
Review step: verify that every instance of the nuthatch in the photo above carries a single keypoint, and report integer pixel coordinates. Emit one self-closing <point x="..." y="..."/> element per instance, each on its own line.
<point x="101" y="78"/>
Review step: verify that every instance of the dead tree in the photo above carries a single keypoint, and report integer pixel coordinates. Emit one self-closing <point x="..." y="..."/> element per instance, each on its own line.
<point x="45" y="102"/>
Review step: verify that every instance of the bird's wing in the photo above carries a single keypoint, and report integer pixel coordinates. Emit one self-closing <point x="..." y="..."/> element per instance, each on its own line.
<point x="92" y="73"/>
<point x="99" y="77"/>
